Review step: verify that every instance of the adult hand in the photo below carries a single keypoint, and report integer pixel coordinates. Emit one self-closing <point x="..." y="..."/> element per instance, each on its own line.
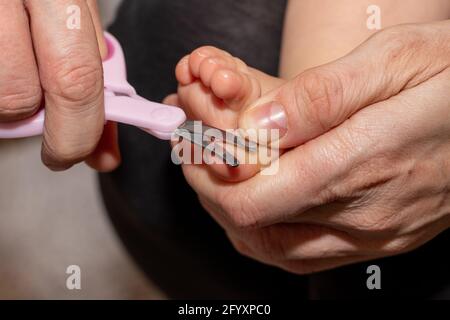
<point x="368" y="172"/>
<point x="43" y="62"/>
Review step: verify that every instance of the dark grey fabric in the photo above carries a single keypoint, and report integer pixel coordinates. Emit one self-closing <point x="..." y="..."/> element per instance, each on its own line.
<point x="155" y="212"/>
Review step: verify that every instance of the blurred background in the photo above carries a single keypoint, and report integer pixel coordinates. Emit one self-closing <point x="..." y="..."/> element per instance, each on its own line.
<point x="52" y="220"/>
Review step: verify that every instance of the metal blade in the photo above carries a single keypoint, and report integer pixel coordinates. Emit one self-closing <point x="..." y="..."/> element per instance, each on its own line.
<point x="186" y="131"/>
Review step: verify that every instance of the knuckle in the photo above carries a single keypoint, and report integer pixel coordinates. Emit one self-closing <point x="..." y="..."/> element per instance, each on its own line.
<point x="19" y="100"/>
<point x="423" y="50"/>
<point x="403" y="43"/>
<point x="77" y="81"/>
<point x="406" y="33"/>
<point x="240" y="210"/>
<point x="319" y="92"/>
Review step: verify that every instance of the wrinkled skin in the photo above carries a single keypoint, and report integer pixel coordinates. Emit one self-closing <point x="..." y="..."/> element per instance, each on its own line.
<point x="43" y="62"/>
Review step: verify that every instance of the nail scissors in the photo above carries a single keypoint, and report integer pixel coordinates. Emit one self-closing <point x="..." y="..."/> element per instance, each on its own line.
<point x="123" y="105"/>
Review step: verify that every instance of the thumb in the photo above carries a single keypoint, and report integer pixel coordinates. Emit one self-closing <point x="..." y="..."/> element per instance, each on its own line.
<point x="322" y="98"/>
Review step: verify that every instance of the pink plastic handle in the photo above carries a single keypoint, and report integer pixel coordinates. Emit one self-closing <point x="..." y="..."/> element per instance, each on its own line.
<point x="121" y="104"/>
<point x="22" y="129"/>
<point x="157" y="119"/>
<point x="114" y="68"/>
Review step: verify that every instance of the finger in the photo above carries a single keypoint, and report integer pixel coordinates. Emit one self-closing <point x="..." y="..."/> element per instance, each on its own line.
<point x="310" y="266"/>
<point x="318" y="250"/>
<point x="106" y="156"/>
<point x="72" y="78"/>
<point x="201" y="54"/>
<point x="20" y="89"/>
<point x="324" y="97"/>
<point x="249" y="163"/>
<point x="286" y="242"/>
<point x="295" y="185"/>
<point x="298" y="265"/>
<point x="303" y="178"/>
<point x="233" y="174"/>
<point x="210" y="65"/>
<point x="365" y="249"/>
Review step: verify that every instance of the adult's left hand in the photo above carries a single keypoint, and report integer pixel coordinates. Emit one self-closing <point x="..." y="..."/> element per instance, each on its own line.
<point x="369" y="174"/>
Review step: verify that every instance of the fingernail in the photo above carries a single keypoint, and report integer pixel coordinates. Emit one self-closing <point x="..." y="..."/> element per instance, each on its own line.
<point x="271" y="115"/>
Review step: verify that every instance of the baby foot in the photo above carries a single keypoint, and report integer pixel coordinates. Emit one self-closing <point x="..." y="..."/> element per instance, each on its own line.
<point x="214" y="86"/>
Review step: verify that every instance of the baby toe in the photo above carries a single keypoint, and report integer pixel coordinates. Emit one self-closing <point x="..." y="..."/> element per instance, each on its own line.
<point x="235" y="88"/>
<point x="226" y="84"/>
<point x="211" y="66"/>
<point x="199" y="55"/>
<point x="183" y="71"/>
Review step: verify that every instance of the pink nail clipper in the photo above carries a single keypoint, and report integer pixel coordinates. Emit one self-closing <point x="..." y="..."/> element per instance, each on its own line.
<point x="123" y="105"/>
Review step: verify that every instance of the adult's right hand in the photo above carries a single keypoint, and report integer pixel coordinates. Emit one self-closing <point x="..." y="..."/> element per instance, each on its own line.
<point x="43" y="62"/>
